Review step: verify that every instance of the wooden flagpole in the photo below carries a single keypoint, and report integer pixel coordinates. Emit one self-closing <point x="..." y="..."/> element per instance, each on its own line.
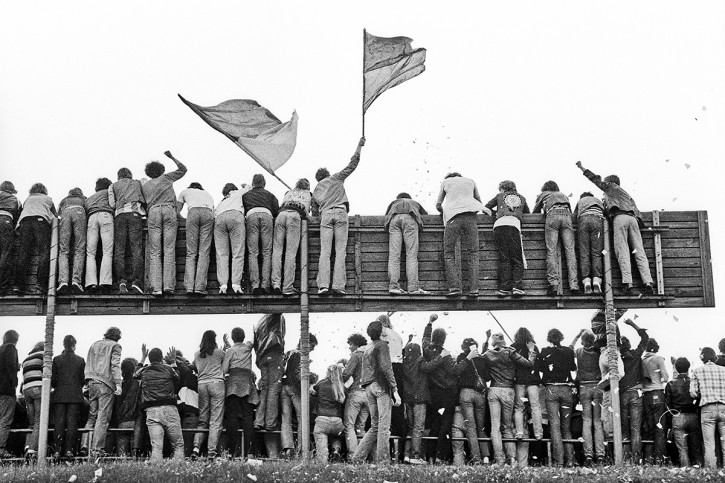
<point x="48" y="349"/>
<point x="304" y="347"/>
<point x="363" y="83"/>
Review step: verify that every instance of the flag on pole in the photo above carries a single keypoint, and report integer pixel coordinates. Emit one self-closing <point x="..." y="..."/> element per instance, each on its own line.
<point x="269" y="141"/>
<point x="388" y="62"/>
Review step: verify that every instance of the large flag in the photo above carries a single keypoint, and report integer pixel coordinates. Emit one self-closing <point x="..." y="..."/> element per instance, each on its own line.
<point x="269" y="141"/>
<point x="388" y="62"/>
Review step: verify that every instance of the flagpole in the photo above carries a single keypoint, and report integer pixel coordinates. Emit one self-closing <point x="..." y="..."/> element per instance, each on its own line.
<point x="304" y="432"/>
<point x="499" y="324"/>
<point x="363" y="83"/>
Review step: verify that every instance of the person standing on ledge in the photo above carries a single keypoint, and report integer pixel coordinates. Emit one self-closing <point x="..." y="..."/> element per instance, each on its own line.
<point x="261" y="208"/>
<point x="403" y="221"/>
<point x="329" y="201"/>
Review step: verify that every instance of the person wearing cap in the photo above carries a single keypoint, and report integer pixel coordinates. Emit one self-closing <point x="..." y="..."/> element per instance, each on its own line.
<point x="199" y="232"/>
<point x="626" y="223"/>
<point x="261" y="208"/>
<point x="100" y="228"/>
<point x="10" y="209"/>
<point x="403" y="222"/>
<point x="229" y="238"/>
<point x="287" y="229"/>
<point x="35" y="231"/>
<point x="71" y="226"/>
<point x="708" y="383"/>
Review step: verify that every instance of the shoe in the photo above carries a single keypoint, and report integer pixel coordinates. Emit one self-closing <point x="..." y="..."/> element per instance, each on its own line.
<point x="519" y="435"/>
<point x="223" y="289"/>
<point x="83" y="452"/>
<point x="200" y="293"/>
<point x="396" y="291"/>
<point x="189" y="292"/>
<point x="574" y="290"/>
<point x="552" y="290"/>
<point x="291" y="293"/>
<point x="338" y="292"/>
<point x="68" y="455"/>
<point x="597" y="288"/>
<point x="323" y="291"/>
<point x="472" y="294"/>
<point x="168" y="292"/>
<point x="211" y="455"/>
<point x="587" y="289"/>
<point x="18" y="291"/>
<point x="264" y="291"/>
<point x="276" y="291"/>
<point x="105" y="289"/>
<point x="194" y="454"/>
<point x="122" y="289"/>
<point x="135" y="288"/>
<point x="406" y="460"/>
<point x="417" y="461"/>
<point x="649" y="289"/>
<point x="601" y="461"/>
<point x="237" y="289"/>
<point x="157" y="293"/>
<point x="504" y="293"/>
<point x="30" y="454"/>
<point x="486" y="460"/>
<point x="256" y="291"/>
<point x="62" y="289"/>
<point x="335" y="457"/>
<point x="420" y="291"/>
<point x="77" y="289"/>
<point x="453" y="293"/>
<point x="588" y="462"/>
<point x="517" y="292"/>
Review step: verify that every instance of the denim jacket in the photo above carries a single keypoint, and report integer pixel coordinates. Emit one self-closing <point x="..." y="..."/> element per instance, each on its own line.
<point x="103" y="363"/>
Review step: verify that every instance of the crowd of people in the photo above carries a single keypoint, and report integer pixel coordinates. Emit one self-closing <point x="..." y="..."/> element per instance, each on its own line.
<point x="249" y="221"/>
<point x="519" y="394"/>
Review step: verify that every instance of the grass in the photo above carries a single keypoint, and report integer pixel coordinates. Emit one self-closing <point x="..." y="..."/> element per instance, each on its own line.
<point x="169" y="471"/>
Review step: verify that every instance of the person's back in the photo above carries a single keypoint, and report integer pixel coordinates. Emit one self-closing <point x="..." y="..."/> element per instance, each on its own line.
<point x="160" y="190"/>
<point x="125" y="197"/>
<point x="38" y="205"/>
<point x="159" y="385"/>
<point x="127" y="194"/>
<point x="103" y="362"/>
<point x="68" y="377"/>
<point x="501" y="366"/>
<point x="9" y="367"/>
<point x="269" y="334"/>
<point x="327" y="404"/>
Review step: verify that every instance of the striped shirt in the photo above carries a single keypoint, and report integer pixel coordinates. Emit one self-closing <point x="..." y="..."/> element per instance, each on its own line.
<point x="709" y="382"/>
<point x="33" y="370"/>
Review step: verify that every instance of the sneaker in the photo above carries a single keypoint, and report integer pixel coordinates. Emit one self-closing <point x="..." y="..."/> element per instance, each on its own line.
<point x="587" y="289"/>
<point x="552" y="290"/>
<point x="190" y="292"/>
<point x="68" y="455"/>
<point x="517" y="292"/>
<point x="597" y="288"/>
<point x="323" y="292"/>
<point x="62" y="289"/>
<point x="574" y="290"/>
<point x="168" y="291"/>
<point x="256" y="291"/>
<point x="417" y="461"/>
<point x="396" y="291"/>
<point x="519" y="435"/>
<point x="211" y="455"/>
<point x="453" y="293"/>
<point x="339" y="292"/>
<point x="420" y="291"/>
<point x="236" y="289"/>
<point x="122" y="289"/>
<point x="588" y="462"/>
<point x="291" y="293"/>
<point x="277" y="291"/>
<point x="600" y="460"/>
<point x="649" y="289"/>
<point x="486" y="460"/>
<point x="30" y="454"/>
<point x="136" y="288"/>
<point x="335" y="457"/>
<point x="194" y="453"/>
<point x="222" y="289"/>
<point x="264" y="291"/>
<point x="157" y="293"/>
<point x="77" y="289"/>
<point x="83" y="452"/>
<point x="504" y="293"/>
<point x="406" y="460"/>
<point x="18" y="291"/>
<point x="200" y="293"/>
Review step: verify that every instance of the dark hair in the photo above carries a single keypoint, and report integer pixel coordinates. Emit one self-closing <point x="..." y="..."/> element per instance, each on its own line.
<point x="404" y="196"/>
<point x="154" y="169"/>
<point x="124" y="173"/>
<point x="303" y="184"/>
<point x="612" y="178"/>
<point x="721" y="346"/>
<point x="625" y="345"/>
<point x="196" y="186"/>
<point x="258" y="181"/>
<point x="39" y="346"/>
<point x="707" y="354"/>
<point x="103" y="184"/>
<point x="507" y="185"/>
<point x="652" y="345"/>
<point x="77" y="192"/>
<point x="313" y="339"/>
<point x="314" y="378"/>
<point x="555" y="337"/>
<point x="523" y="336"/>
<point x="375" y="329"/>
<point x="321" y="174"/>
<point x="113" y="333"/>
<point x="69" y="342"/>
<point x="467" y="343"/>
<point x="439" y="336"/>
<point x="228" y="188"/>
<point x="588" y="338"/>
<point x="128" y="367"/>
<point x="682" y="365"/>
<point x="11" y="337"/>
<point x="238" y="334"/>
<point x="38" y="188"/>
<point x="585" y="194"/>
<point x="550" y="186"/>
<point x="208" y="344"/>
<point x="357" y="339"/>
<point x="155" y="355"/>
<point x="453" y="174"/>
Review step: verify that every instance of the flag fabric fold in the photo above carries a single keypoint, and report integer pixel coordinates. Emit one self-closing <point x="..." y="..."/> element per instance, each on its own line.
<point x="269" y="141"/>
<point x="387" y="63"/>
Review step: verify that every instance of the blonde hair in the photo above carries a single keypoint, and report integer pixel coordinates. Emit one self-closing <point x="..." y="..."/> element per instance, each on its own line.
<point x="334" y="374"/>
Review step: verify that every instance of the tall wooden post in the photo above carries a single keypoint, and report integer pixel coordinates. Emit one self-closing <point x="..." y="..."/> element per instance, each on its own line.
<point x="48" y="347"/>
<point x="304" y="427"/>
<point x="612" y="351"/>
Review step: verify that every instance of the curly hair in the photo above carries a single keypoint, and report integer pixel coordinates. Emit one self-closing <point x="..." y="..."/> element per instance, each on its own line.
<point x="154" y="169"/>
<point x="321" y="174"/>
<point x="357" y="339"/>
<point x="303" y="184"/>
<point x="523" y="336"/>
<point x="555" y="337"/>
<point x="103" y="184"/>
<point x="124" y="173"/>
<point x="507" y="185"/>
<point x="128" y="367"/>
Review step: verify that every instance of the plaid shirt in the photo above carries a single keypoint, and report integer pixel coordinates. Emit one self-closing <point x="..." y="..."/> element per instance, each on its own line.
<point x="709" y="382"/>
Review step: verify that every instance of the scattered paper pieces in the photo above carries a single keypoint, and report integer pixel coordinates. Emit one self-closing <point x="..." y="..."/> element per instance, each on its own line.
<point x="72" y="478"/>
<point x="251" y="477"/>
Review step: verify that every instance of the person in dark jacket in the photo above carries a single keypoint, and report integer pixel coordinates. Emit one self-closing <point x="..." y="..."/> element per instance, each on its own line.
<point x="721" y="357"/>
<point x="67" y="397"/>
<point x="630" y="390"/>
<point x="159" y="385"/>
<point x="9" y="367"/>
<point x="443" y="385"/>
<point x="291" y="393"/>
<point x="261" y="208"/>
<point x="10" y="209"/>
<point x="685" y="420"/>
<point x="127" y="414"/>
<point x="71" y="225"/>
<point x="330" y="394"/>
<point x="556" y="363"/>
<point x="268" y="344"/>
<point x="527" y="387"/>
<point x="416" y="397"/>
<point x="588" y="375"/>
<point x="356" y="402"/>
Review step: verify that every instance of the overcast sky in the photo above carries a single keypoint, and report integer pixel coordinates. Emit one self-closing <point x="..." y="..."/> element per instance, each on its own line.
<point x="512" y="90"/>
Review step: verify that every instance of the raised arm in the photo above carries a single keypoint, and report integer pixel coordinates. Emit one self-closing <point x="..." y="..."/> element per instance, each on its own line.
<point x="428" y="330"/>
<point x="576" y="338"/>
<point x="594" y="178"/>
<point x="347" y="170"/>
<point x="181" y="169"/>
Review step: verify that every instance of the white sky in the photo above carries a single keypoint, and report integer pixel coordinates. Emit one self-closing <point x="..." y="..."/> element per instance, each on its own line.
<point x="512" y="90"/>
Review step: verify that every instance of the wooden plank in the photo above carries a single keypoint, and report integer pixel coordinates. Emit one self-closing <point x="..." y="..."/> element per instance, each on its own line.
<point x="706" y="259"/>
<point x="658" y="255"/>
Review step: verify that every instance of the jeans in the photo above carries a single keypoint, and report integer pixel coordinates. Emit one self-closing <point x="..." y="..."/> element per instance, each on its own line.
<point x="237" y="408"/>
<point x="128" y="441"/>
<point x="558" y="222"/>
<point x="510" y="257"/>
<point x="260" y="229"/>
<point x="32" y="404"/>
<point x="162" y="226"/>
<point x="501" y="405"/>
<point x="532" y="394"/>
<point x="379" y="402"/>
<point x="686" y="429"/>
<point x="403" y="229"/>
<point x="72" y="225"/>
<point x="631" y="410"/>
<point x="270" y="386"/>
<point x="290" y="399"/>
<point x="628" y="241"/>
<point x="559" y="406"/>
<point x="590" y="246"/>
<point x="100" y="400"/>
<point x="128" y="229"/>
<point x="34" y="232"/>
<point x="287" y="230"/>
<point x="712" y="417"/>
<point x="591" y="399"/>
<point x="461" y="228"/>
<point x="7" y="412"/>
<point x="211" y="413"/>
<point x="65" y="429"/>
<point x="164" y="420"/>
<point x="458" y="430"/>
<point x="199" y="229"/>
<point x="7" y="246"/>
<point x="327" y="426"/>
<point x="356" y="414"/>
<point x="229" y="240"/>
<point x="607" y="416"/>
<point x="473" y="407"/>
<point x="653" y="403"/>
<point x="333" y="224"/>
<point x="189" y="420"/>
<point x="100" y="225"/>
<point x="416" y="422"/>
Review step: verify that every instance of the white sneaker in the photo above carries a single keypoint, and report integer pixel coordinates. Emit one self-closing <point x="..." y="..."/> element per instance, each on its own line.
<point x="406" y="460"/>
<point x="222" y="289"/>
<point x="237" y="288"/>
<point x="417" y="461"/>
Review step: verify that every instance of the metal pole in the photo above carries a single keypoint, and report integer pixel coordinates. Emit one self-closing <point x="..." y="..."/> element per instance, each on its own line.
<point x="365" y="36"/>
<point x="48" y="347"/>
<point x="612" y="351"/>
<point x="304" y="433"/>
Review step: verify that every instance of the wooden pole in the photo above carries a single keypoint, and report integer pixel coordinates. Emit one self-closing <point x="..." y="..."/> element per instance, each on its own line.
<point x="363" y="83"/>
<point x="48" y="348"/>
<point x="612" y="350"/>
<point x="304" y="432"/>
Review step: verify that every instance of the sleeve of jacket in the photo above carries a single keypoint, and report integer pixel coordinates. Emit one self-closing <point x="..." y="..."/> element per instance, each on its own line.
<point x="350" y="367"/>
<point x="54" y="375"/>
<point x="116" y="365"/>
<point x="386" y="366"/>
<point x="178" y="173"/>
<point x="347" y="170"/>
<point x="572" y="359"/>
<point x="427" y="335"/>
<point x="459" y="367"/>
<point x="539" y="203"/>
<point x="493" y="204"/>
<point x="176" y="378"/>
<point x="643" y="340"/>
<point x="597" y="180"/>
<point x="431" y="365"/>
<point x="668" y="395"/>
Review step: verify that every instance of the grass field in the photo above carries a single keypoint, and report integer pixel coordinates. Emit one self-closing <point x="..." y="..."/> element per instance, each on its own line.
<point x="334" y="473"/>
